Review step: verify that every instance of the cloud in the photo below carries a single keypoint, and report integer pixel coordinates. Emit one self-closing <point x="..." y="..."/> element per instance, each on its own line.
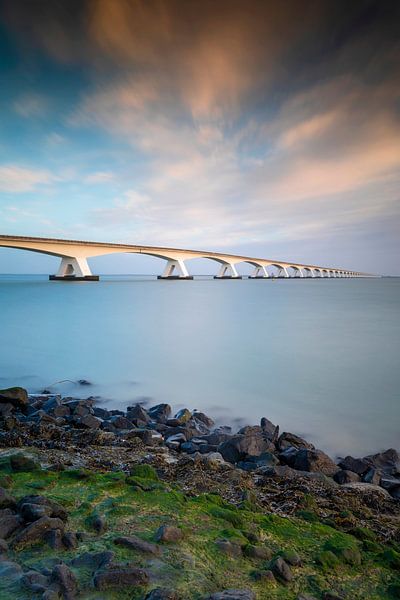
<point x="31" y="105"/>
<point x="15" y="179"/>
<point x="99" y="177"/>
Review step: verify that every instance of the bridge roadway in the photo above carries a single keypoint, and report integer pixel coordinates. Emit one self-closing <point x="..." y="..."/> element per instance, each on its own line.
<point x="74" y="255"/>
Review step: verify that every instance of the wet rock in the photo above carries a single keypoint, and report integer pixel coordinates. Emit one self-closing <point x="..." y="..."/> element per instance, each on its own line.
<point x="9" y="524"/>
<point x="169" y="533"/>
<point x="229" y="548"/>
<point x="287" y="439"/>
<point x="120" y="577"/>
<point x="36" y="532"/>
<point x="93" y="560"/>
<point x="281" y="570"/>
<point x="315" y="460"/>
<point x="388" y="462"/>
<point x="288" y="456"/>
<point x="120" y="422"/>
<point x="269" y="430"/>
<point x="162" y="594"/>
<point x="137" y="413"/>
<point x="101" y="413"/>
<point x="216" y="438"/>
<point x="160" y="412"/>
<point x="239" y="447"/>
<point x="205" y="419"/>
<point x="372" y="476"/>
<point x="389" y="483"/>
<point x="233" y="595"/>
<point x="357" y="465"/>
<point x="181" y="417"/>
<point x="22" y="463"/>
<point x="6" y="499"/>
<point x="174" y="441"/>
<point x="89" y="421"/>
<point x="189" y="447"/>
<point x="135" y="543"/>
<point x="57" y="510"/>
<point x="261" y="552"/>
<point x="17" y="396"/>
<point x="343" y="476"/>
<point x="66" y="580"/>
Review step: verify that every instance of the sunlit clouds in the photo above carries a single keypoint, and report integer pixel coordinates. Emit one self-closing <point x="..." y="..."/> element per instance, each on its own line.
<point x="259" y="125"/>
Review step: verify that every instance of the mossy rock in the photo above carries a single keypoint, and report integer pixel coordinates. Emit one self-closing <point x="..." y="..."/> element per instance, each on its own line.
<point x="349" y="554"/>
<point x="144" y="472"/>
<point x="327" y="560"/>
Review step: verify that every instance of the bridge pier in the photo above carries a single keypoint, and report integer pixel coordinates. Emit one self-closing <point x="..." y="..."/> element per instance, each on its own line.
<point x="260" y="272"/>
<point x="227" y="271"/>
<point x="74" y="269"/>
<point x="175" y="269"/>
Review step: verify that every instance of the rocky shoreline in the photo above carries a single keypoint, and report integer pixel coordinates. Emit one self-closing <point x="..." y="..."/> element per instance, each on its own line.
<point x="257" y="469"/>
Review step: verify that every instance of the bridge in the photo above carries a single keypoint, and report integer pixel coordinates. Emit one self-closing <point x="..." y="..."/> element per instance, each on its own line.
<point x="74" y="265"/>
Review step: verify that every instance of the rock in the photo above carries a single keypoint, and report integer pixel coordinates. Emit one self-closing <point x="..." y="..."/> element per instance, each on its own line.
<point x="214" y="459"/>
<point x="189" y="447"/>
<point x="372" y="476"/>
<point x="17" y="396"/>
<point x="160" y="412"/>
<point x="33" y="512"/>
<point x="239" y="447"/>
<point x="343" y="476"/>
<point x="6" y="499"/>
<point x="357" y="465"/>
<point x="84" y="382"/>
<point x="138" y="544"/>
<point x="70" y="540"/>
<point x="6" y="409"/>
<point x="120" y="422"/>
<point x="20" y="462"/>
<point x="265" y="575"/>
<point x="174" y="441"/>
<point x="315" y="460"/>
<point x="206" y="420"/>
<point x="10" y="570"/>
<point x="54" y="538"/>
<point x="250" y="430"/>
<point x="270" y="430"/>
<point x="3" y="546"/>
<point x="120" y="577"/>
<point x="216" y="438"/>
<point x="35" y="581"/>
<point x="181" y="417"/>
<point x="57" y="510"/>
<point x="137" y="413"/>
<point x="93" y="560"/>
<point x="162" y="594"/>
<point x="169" y="533"/>
<point x="66" y="580"/>
<point x="366" y="488"/>
<point x="287" y="439"/>
<point x="389" y="483"/>
<point x="388" y="462"/>
<point x="62" y="411"/>
<point x="292" y="558"/>
<point x="288" y="456"/>
<point x="331" y="596"/>
<point x="229" y="548"/>
<point x="36" y="532"/>
<point x="89" y="421"/>
<point x="99" y="524"/>
<point x="282" y="571"/>
<point x="261" y="552"/>
<point x="8" y="524"/>
<point x="233" y="595"/>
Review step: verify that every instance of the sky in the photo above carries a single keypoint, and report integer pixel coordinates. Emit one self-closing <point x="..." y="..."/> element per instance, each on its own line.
<point x="262" y="128"/>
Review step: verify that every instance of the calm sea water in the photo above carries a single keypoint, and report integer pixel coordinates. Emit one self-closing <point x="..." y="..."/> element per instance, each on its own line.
<point x="320" y="357"/>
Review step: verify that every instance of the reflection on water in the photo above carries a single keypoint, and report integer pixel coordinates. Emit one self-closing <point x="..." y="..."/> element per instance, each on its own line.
<point x="319" y="357"/>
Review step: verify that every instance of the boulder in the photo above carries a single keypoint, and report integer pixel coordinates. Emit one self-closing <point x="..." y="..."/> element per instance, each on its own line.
<point x="265" y="575"/>
<point x="281" y="570"/>
<point x="357" y="465"/>
<point x="287" y="439"/>
<point x="22" y="463"/>
<point x="17" y="396"/>
<point x="57" y="510"/>
<point x="99" y="524"/>
<point x="169" y="533"/>
<point x="344" y="476"/>
<point x="230" y="548"/>
<point x="8" y="524"/>
<point x="10" y="570"/>
<point x="36" y="532"/>
<point x="288" y="456"/>
<point x="244" y="594"/>
<point x="89" y="421"/>
<point x="6" y="499"/>
<point x="316" y="461"/>
<point x="93" y="561"/>
<point x="135" y="543"/>
<point x="160" y="412"/>
<point x="35" y="581"/>
<point x="260" y="552"/>
<point x="137" y="413"/>
<point x="63" y="577"/>
<point x="119" y="577"/>
<point x="54" y="539"/>
<point x="32" y="512"/>
<point x="389" y="483"/>
<point x="206" y="420"/>
<point x="372" y="476"/>
<point x="181" y="417"/>
<point x="70" y="540"/>
<point x="270" y="430"/>
<point x="388" y="462"/>
<point x="240" y="447"/>
<point x="120" y="422"/>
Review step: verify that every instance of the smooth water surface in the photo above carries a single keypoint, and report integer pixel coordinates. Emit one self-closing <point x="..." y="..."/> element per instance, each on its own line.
<point x="320" y="357"/>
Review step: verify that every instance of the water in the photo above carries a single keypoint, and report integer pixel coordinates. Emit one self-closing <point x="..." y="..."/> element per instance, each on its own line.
<point x="319" y="357"/>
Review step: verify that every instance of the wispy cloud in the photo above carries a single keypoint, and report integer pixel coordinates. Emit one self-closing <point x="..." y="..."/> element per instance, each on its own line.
<point x="16" y="179"/>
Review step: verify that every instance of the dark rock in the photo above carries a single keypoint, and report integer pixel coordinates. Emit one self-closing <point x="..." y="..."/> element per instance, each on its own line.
<point x="99" y="524"/>
<point x="35" y="581"/>
<point x="270" y="430"/>
<point x="315" y="460"/>
<point x="287" y="439"/>
<point x="239" y="447"/>
<point x="174" y="441"/>
<point x="33" y="512"/>
<point x="3" y="546"/>
<point x="261" y="552"/>
<point x="388" y="462"/>
<point x="292" y="558"/>
<point x="331" y="596"/>
<point x="51" y="403"/>
<point x="233" y="595"/>
<point x="389" y="483"/>
<point x="70" y="540"/>
<point x="36" y="532"/>
<point x="57" y="510"/>
<point x="93" y="560"/>
<point x="135" y="543"/>
<point x="372" y="476"/>
<point x="181" y="417"/>
<point x="6" y="409"/>
<point x="160" y="412"/>
<point x="216" y="438"/>
<point x="101" y="413"/>
<point x="120" y="577"/>
<point x="282" y="571"/>
<point x="288" y="456"/>
<point x="206" y="420"/>
<point x="19" y="462"/>
<point x="16" y="396"/>
<point x="84" y="382"/>
<point x="62" y="411"/>
<point x="265" y="575"/>
<point x="189" y="447"/>
<point x="343" y="476"/>
<point x="8" y="524"/>
<point x="169" y="533"/>
<point x="120" y="422"/>
<point x="395" y="492"/>
<point x="229" y="548"/>
<point x="6" y="499"/>
<point x="357" y="465"/>
<point x="66" y="580"/>
<point x="162" y="594"/>
<point x="10" y="570"/>
<point x="137" y="412"/>
<point x="89" y="421"/>
<point x="54" y="538"/>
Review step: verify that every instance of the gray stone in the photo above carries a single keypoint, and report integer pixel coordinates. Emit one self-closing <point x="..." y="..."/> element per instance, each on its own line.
<point x="66" y="580"/>
<point x="36" y="532"/>
<point x="282" y="571"/>
<point x="120" y="577"/>
<point x="8" y="524"/>
<point x="33" y="512"/>
<point x="239" y="447"/>
<point x="89" y="421"/>
<point x="160" y="412"/>
<point x="388" y="462"/>
<point x="357" y="465"/>
<point x="135" y="543"/>
<point x="287" y="439"/>
<point x="343" y="476"/>
<point x="229" y="548"/>
<point x="169" y="533"/>
<point x="315" y="460"/>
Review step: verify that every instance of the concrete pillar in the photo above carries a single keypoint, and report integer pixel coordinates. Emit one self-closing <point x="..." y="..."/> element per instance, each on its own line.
<point x="74" y="269"/>
<point x="175" y="269"/>
<point x="260" y="272"/>
<point x="227" y="271"/>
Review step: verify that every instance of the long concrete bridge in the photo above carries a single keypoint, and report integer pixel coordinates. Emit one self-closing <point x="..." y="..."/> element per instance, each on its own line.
<point x="74" y="255"/>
